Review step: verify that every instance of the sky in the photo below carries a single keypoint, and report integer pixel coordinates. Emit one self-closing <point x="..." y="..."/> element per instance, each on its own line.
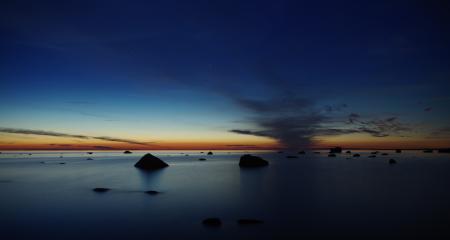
<point x="224" y="74"/>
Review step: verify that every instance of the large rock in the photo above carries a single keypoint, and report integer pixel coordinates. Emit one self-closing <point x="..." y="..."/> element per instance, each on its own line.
<point x="150" y="162"/>
<point x="252" y="161"/>
<point x="336" y="150"/>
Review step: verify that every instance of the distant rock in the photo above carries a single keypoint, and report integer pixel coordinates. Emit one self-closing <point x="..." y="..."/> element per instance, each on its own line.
<point x="376" y="152"/>
<point x="444" y="150"/>
<point x="348" y="151"/>
<point x="392" y="161"/>
<point x="372" y="156"/>
<point x="316" y="152"/>
<point x="384" y="154"/>
<point x="302" y="152"/>
<point x="280" y="152"/>
<point x="252" y="161"/>
<point x="100" y="189"/>
<point x="398" y="150"/>
<point x="89" y="159"/>
<point x="356" y="155"/>
<point x="331" y="155"/>
<point x="212" y="222"/>
<point x="62" y="163"/>
<point x="290" y="156"/>
<point x="201" y="152"/>
<point x="186" y="155"/>
<point x="42" y="162"/>
<point x="152" y="192"/>
<point x="210" y="153"/>
<point x="127" y="152"/>
<point x="248" y="221"/>
<point x="150" y="162"/>
<point x="89" y="152"/>
<point x="202" y="159"/>
<point x="336" y="150"/>
<point x="428" y="150"/>
<point x="29" y="154"/>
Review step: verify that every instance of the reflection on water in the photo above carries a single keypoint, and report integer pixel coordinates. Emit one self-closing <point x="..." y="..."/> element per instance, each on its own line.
<point x="311" y="196"/>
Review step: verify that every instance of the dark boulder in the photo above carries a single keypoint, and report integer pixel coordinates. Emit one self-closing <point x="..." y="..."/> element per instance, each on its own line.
<point x="356" y="155"/>
<point x="336" y="150"/>
<point x="89" y="152"/>
<point x="212" y="222"/>
<point x="331" y="155"/>
<point x="202" y="159"/>
<point x="392" y="161"/>
<point x="210" y="153"/>
<point x="348" y="151"/>
<point x="252" y="161"/>
<point x="127" y="152"/>
<point x="100" y="189"/>
<point x="150" y="162"/>
<point x="248" y="221"/>
<point x="302" y="152"/>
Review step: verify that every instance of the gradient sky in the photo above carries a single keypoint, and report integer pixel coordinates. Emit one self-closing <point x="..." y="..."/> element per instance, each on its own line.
<point x="224" y="74"/>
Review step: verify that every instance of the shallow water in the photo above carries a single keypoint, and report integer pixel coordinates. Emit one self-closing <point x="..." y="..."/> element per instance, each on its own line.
<point x="307" y="197"/>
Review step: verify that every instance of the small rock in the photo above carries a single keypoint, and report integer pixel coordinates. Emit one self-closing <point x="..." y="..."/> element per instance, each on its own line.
<point x="376" y="152"/>
<point x="210" y="153"/>
<point x="89" y="159"/>
<point x="398" y="150"/>
<point x="127" y="152"/>
<point x="428" y="150"/>
<point x="89" y="152"/>
<point x="331" y="155"/>
<point x="444" y="150"/>
<point x="62" y="163"/>
<point x="302" y="152"/>
<point x="384" y="154"/>
<point x="280" y="151"/>
<point x="336" y="150"/>
<point x="392" y="161"/>
<point x="316" y="152"/>
<point x="152" y="192"/>
<point x="290" y="156"/>
<point x="100" y="189"/>
<point x="356" y="155"/>
<point x="202" y="159"/>
<point x="372" y="156"/>
<point x="348" y="152"/>
<point x="246" y="221"/>
<point x="212" y="222"/>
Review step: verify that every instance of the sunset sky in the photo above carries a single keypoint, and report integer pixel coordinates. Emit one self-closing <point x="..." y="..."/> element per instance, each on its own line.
<point x="224" y="74"/>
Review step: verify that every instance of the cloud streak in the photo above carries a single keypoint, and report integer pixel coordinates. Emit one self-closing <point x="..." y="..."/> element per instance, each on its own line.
<point x="58" y="134"/>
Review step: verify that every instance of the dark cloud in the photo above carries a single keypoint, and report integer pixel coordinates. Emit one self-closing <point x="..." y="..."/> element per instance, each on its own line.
<point x="378" y="128"/>
<point x="58" y="134"/>
<point x="60" y="145"/>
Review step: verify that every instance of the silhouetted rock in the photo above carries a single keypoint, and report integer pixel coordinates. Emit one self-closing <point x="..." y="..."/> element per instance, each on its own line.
<point x="210" y="153"/>
<point x="29" y="154"/>
<point x="89" y="159"/>
<point x="62" y="163"/>
<point x="290" y="156"/>
<point x="202" y="159"/>
<point x="100" y="189"/>
<point x="212" y="222"/>
<point x="444" y="150"/>
<point x="89" y="152"/>
<point x="302" y="152"/>
<point x="348" y="151"/>
<point x="152" y="192"/>
<point x="248" y="160"/>
<point x="336" y="150"/>
<point x="372" y="156"/>
<point x="392" y="161"/>
<point x="248" y="221"/>
<point x="428" y="150"/>
<point x="316" y="152"/>
<point x="398" y="150"/>
<point x="127" y="152"/>
<point x="376" y="152"/>
<point x="356" y="155"/>
<point x="384" y="154"/>
<point x="331" y="155"/>
<point x="201" y="152"/>
<point x="150" y="162"/>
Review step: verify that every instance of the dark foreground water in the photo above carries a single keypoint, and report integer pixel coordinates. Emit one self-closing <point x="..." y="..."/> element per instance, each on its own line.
<point x="313" y="196"/>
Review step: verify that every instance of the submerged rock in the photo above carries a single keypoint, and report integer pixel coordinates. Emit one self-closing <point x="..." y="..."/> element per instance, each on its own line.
<point x="212" y="222"/>
<point x="150" y="162"/>
<point x="290" y="156"/>
<point x="356" y="155"/>
<point x="246" y="221"/>
<point x="100" y="189"/>
<point x="202" y="159"/>
<point x="392" y="161"/>
<point x="302" y="152"/>
<point x="152" y="192"/>
<point x="248" y="160"/>
<point x="210" y="153"/>
<point x="127" y="152"/>
<point x="331" y="155"/>
<point x="336" y="150"/>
